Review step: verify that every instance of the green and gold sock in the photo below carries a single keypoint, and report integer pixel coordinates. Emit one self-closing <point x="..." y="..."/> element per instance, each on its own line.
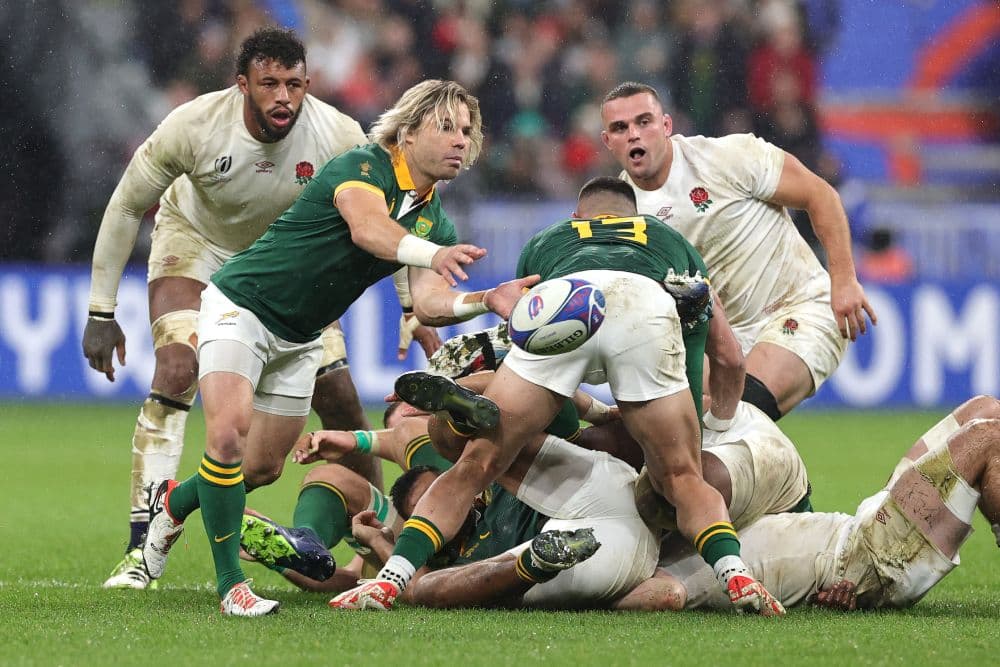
<point x="530" y="571"/>
<point x="323" y="508"/>
<point x="223" y="497"/>
<point x="419" y="540"/>
<point x="717" y="540"/>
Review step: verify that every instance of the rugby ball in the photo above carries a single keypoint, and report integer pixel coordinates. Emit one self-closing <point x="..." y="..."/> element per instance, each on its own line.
<point x="557" y="316"/>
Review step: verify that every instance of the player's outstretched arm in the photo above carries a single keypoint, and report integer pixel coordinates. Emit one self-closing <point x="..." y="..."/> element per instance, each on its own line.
<point x="436" y="304"/>
<point x="800" y="188"/>
<point x="373" y="230"/>
<point x="487" y="583"/>
<point x="331" y="446"/>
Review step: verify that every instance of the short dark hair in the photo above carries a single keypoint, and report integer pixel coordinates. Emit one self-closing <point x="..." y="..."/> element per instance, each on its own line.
<point x="276" y="44"/>
<point x="629" y="89"/>
<point x="609" y="184"/>
<point x="404" y="484"/>
<point x="390" y="410"/>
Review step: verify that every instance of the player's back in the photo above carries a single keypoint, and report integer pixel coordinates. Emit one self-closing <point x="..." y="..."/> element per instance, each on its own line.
<point x="635" y="244"/>
<point x="232" y="186"/>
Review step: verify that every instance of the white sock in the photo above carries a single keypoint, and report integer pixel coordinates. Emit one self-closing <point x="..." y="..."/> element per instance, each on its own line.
<point x="728" y="567"/>
<point x="397" y="570"/>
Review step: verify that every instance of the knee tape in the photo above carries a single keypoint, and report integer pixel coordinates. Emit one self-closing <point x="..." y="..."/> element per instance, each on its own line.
<point x="179" y="326"/>
<point x="334" y="350"/>
<point x="755" y="393"/>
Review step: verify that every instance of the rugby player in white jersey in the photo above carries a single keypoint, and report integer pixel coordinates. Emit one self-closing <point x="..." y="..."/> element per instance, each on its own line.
<point x="727" y="196"/>
<point x="222" y="168"/>
<point x="898" y="545"/>
<point x="553" y="486"/>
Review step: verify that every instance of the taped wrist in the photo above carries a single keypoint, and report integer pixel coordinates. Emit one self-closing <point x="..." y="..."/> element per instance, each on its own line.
<point x="367" y="441"/>
<point x="465" y="310"/>
<point x="596" y="410"/>
<point x="415" y="251"/>
<point x="714" y="423"/>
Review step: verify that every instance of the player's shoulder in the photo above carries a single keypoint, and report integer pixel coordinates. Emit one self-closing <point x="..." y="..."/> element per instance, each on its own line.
<point x="326" y="119"/>
<point x="209" y="108"/>
<point x="366" y="158"/>
<point x="728" y="144"/>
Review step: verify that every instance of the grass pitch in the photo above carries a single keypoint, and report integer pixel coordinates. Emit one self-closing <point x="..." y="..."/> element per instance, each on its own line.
<point x="63" y="519"/>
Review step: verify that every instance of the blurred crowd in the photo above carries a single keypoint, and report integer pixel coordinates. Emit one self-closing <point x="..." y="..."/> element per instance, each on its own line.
<point x="539" y="67"/>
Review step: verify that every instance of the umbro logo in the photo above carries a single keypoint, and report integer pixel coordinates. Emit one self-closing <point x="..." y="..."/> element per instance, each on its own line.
<point x="264" y="166"/>
<point x="664" y="213"/>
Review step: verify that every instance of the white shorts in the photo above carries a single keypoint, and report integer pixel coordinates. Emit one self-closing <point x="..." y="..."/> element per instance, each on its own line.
<point x="231" y="339"/>
<point x="638" y="351"/>
<point x="808" y="330"/>
<point x="579" y="488"/>
<point x="179" y="251"/>
<point x="768" y="475"/>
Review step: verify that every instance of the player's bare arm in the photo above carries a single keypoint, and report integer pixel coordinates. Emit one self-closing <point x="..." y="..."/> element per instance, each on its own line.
<point x="436" y="304"/>
<point x="373" y="230"/>
<point x="331" y="446"/>
<point x="800" y="188"/>
<point x="727" y="368"/>
<point x="410" y="328"/>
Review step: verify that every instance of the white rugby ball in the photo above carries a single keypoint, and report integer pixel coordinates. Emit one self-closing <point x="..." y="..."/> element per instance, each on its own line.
<point x="557" y="316"/>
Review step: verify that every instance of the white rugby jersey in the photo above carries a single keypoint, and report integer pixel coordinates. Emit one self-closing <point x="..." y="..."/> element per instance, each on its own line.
<point x="793" y="555"/>
<point x="713" y="196"/>
<point x="207" y="171"/>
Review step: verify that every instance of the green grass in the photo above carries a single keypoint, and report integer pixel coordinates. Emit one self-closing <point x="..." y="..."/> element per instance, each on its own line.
<point x="63" y="518"/>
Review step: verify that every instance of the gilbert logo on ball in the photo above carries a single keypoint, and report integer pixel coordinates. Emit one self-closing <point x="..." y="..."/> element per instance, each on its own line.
<point x="557" y="316"/>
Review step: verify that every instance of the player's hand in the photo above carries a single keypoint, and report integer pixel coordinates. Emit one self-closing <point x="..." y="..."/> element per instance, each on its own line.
<point x="501" y="299"/>
<point x="101" y="338"/>
<point x="410" y="328"/>
<point x="849" y="304"/>
<point x="448" y="261"/>
<point x="842" y="596"/>
<point x="329" y="446"/>
<point x="367" y="529"/>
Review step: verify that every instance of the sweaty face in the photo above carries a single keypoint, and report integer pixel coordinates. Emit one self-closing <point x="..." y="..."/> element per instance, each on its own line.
<point x="273" y="97"/>
<point x="438" y="152"/>
<point x="637" y="132"/>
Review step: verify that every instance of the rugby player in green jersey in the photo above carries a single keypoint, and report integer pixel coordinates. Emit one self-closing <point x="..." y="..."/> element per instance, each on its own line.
<point x="639" y="351"/>
<point x="365" y="214"/>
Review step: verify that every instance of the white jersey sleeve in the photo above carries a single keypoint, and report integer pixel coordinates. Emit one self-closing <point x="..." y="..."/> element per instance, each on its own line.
<point x="156" y="164"/>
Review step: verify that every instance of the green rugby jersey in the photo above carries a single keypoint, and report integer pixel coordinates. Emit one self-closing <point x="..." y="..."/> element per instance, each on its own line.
<point x="305" y="271"/>
<point x="504" y="523"/>
<point x="638" y="244"/>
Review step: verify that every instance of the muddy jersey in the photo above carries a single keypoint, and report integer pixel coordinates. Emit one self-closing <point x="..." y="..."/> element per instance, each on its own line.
<point x="305" y="271"/>
<point x="714" y="196"/>
<point x="209" y="173"/>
